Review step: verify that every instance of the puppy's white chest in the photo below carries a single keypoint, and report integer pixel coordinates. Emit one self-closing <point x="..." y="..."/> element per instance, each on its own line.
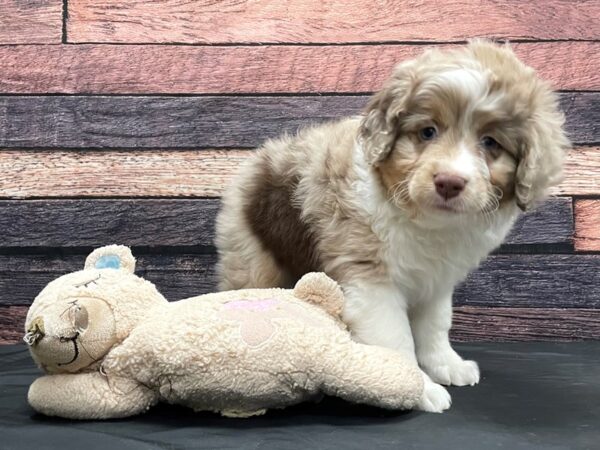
<point x="423" y="269"/>
<point x="427" y="264"/>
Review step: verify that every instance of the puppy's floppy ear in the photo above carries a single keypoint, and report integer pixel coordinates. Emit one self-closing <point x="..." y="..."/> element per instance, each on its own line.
<point x="379" y="128"/>
<point x="542" y="151"/>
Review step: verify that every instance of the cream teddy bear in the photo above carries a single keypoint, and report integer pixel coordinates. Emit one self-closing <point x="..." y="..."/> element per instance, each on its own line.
<point x="112" y="346"/>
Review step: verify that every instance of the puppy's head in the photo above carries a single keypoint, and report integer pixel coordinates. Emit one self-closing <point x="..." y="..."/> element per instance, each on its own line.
<point x="465" y="131"/>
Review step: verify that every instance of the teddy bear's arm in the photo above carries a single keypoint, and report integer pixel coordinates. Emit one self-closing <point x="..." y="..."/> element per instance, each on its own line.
<point x="369" y="374"/>
<point x="89" y="396"/>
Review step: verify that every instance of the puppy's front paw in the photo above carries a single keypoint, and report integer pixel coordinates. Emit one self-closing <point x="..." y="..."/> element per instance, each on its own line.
<point x="455" y="371"/>
<point x="435" y="398"/>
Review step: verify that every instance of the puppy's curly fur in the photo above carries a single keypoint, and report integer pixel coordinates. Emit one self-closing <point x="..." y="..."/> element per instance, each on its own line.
<point x="399" y="205"/>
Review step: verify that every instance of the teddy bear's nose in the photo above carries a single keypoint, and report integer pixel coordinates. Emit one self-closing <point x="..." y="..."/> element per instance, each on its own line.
<point x="35" y="332"/>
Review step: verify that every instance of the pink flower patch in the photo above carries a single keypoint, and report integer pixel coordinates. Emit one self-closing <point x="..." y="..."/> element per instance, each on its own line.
<point x="253" y="305"/>
<point x="255" y="317"/>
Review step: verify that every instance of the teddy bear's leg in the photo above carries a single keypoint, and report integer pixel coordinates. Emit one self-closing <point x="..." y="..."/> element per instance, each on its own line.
<point x="89" y="396"/>
<point x="372" y="375"/>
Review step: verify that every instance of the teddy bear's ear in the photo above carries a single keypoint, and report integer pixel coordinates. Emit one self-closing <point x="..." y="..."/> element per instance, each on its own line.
<point x="318" y="289"/>
<point x="111" y="257"/>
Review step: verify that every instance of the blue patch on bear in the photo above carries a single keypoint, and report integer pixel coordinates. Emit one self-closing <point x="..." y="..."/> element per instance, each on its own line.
<point x="108" y="262"/>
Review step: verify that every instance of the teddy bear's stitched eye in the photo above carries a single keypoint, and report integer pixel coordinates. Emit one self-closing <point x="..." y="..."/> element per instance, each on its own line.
<point x="80" y="318"/>
<point x="87" y="283"/>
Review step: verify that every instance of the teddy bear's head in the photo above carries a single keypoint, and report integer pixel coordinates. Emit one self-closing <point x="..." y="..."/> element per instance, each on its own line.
<point x="79" y="317"/>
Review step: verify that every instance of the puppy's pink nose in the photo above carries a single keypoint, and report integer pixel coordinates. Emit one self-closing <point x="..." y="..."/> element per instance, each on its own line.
<point x="448" y="185"/>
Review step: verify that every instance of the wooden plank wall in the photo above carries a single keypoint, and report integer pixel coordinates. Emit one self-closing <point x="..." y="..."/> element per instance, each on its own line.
<point x="122" y="121"/>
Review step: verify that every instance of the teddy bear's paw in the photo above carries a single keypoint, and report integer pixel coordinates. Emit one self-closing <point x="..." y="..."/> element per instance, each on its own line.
<point x="456" y="372"/>
<point x="435" y="398"/>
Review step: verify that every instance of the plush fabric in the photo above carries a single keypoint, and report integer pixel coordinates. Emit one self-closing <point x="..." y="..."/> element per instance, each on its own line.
<point x="112" y="346"/>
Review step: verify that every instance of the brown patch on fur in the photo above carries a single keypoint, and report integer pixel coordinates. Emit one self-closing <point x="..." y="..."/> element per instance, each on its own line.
<point x="394" y="173"/>
<point x="502" y="175"/>
<point x="275" y="220"/>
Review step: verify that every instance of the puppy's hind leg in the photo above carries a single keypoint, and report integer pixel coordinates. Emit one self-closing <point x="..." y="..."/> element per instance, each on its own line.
<point x="243" y="264"/>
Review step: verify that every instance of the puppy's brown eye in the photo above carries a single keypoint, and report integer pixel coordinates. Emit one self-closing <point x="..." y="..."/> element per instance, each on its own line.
<point x="489" y="143"/>
<point x="427" y="133"/>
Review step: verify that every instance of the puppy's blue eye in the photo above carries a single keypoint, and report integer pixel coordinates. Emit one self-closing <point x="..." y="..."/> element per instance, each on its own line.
<point x="489" y="143"/>
<point x="427" y="133"/>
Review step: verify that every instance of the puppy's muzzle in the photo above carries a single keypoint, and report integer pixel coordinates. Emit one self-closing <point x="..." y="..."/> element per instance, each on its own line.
<point x="448" y="186"/>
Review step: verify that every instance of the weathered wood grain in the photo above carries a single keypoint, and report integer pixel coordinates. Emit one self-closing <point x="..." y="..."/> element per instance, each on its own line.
<point x="180" y="173"/>
<point x="587" y="225"/>
<point x="206" y="121"/>
<point x="140" y="69"/>
<point x="550" y="223"/>
<point x="328" y="20"/>
<point x="188" y="223"/>
<point x="121" y="173"/>
<point x="470" y="324"/>
<point x="77" y="223"/>
<point x="30" y="22"/>
<point x="12" y="323"/>
<point x="554" y="280"/>
<point x="177" y="275"/>
<point x="582" y="117"/>
<point x="161" y="121"/>
<point x="582" y="172"/>
<point x="525" y="324"/>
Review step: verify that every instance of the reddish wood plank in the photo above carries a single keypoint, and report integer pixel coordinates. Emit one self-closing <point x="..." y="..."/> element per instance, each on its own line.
<point x="470" y="324"/>
<point x="180" y="173"/>
<point x="582" y="172"/>
<point x="12" y="323"/>
<point x="587" y="225"/>
<point x="120" y="173"/>
<point x="268" y="69"/>
<point x="525" y="324"/>
<point x="30" y="22"/>
<point x="328" y="20"/>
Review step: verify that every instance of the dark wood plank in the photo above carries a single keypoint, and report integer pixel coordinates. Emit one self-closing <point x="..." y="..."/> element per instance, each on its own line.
<point x="470" y="324"/>
<point x="514" y="281"/>
<point x="201" y="122"/>
<point x="328" y="20"/>
<point x="92" y="223"/>
<point x="181" y="173"/>
<point x="161" y="121"/>
<point x="550" y="223"/>
<point x="185" y="223"/>
<point x="30" y="22"/>
<point x="177" y="276"/>
<point x="171" y="69"/>
<point x="525" y="324"/>
<point x="548" y="281"/>
<point x="583" y="117"/>
<point x="587" y="225"/>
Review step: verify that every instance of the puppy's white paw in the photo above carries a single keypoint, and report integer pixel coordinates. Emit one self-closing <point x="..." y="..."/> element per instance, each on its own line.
<point x="455" y="371"/>
<point x="435" y="398"/>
